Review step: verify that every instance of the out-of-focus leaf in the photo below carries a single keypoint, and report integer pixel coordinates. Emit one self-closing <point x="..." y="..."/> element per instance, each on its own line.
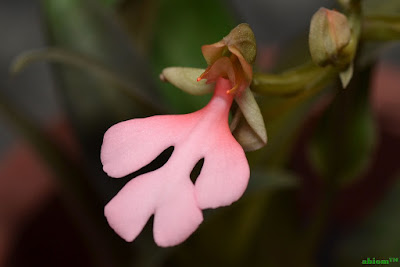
<point x="138" y="18"/>
<point x="80" y="198"/>
<point x="109" y="3"/>
<point x="386" y="7"/>
<point x="343" y="142"/>
<point x="378" y="236"/>
<point x="182" y="27"/>
<point x="85" y="27"/>
<point x="77" y="60"/>
<point x="275" y="179"/>
<point x="381" y="28"/>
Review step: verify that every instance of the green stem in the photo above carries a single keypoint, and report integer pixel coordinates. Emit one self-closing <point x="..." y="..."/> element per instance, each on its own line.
<point x="325" y="75"/>
<point x="81" y="200"/>
<point x="84" y="62"/>
<point x="288" y="83"/>
<point x="354" y="17"/>
<point x="381" y="28"/>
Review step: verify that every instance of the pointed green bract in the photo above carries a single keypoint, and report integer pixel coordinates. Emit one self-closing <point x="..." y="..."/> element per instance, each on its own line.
<point x="345" y="76"/>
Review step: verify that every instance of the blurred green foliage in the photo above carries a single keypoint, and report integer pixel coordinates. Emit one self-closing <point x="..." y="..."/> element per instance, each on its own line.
<point x="180" y="30"/>
<point x="344" y="140"/>
<point x="378" y="236"/>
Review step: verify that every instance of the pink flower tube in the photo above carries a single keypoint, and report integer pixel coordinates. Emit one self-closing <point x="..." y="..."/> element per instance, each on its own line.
<point x="168" y="192"/>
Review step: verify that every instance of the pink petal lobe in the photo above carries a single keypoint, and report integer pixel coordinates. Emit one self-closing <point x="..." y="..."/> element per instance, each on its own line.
<point x="178" y="216"/>
<point x="130" y="145"/>
<point x="128" y="212"/>
<point x="225" y="173"/>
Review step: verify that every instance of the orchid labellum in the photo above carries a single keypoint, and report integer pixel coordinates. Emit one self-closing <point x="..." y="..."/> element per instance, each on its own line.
<point x="168" y="192"/>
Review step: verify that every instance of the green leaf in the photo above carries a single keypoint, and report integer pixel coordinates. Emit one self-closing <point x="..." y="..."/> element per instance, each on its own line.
<point x="85" y="27"/>
<point x="344" y="140"/>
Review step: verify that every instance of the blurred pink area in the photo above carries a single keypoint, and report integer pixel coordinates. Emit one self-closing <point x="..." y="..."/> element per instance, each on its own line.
<point x="26" y="183"/>
<point x="267" y="57"/>
<point x="385" y="97"/>
<point x="359" y="200"/>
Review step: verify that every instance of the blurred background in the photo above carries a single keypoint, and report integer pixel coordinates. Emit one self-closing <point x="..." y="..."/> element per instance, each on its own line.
<point x="325" y="191"/>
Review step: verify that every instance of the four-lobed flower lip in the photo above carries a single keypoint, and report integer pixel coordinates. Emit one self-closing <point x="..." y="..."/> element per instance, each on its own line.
<point x="168" y="192"/>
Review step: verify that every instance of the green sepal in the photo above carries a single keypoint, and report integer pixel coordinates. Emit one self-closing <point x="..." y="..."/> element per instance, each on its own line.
<point x="248" y="124"/>
<point x="186" y="80"/>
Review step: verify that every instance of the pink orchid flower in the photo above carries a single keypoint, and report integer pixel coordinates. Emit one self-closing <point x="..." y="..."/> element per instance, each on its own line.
<point x="168" y="192"/>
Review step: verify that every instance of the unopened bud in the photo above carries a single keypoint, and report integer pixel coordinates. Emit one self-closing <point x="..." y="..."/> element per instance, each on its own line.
<point x="329" y="34"/>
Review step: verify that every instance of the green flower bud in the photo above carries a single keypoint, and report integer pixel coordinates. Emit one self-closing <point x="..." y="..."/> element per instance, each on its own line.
<point x="329" y="34"/>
